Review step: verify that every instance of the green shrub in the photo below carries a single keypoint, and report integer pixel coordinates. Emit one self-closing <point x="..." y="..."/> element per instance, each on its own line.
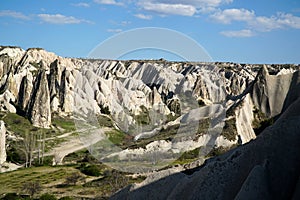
<point x="66" y="198"/>
<point x="143" y="118"/>
<point x="189" y="155"/>
<point x="14" y="155"/>
<point x="104" y="121"/>
<point x="91" y="170"/>
<point x="14" y="196"/>
<point x="47" y="197"/>
<point x="64" y="122"/>
<point x="229" y="130"/>
<point x="115" y="136"/>
<point x="105" y="110"/>
<point x="73" y="178"/>
<point x="261" y="121"/>
<point x="32" y="187"/>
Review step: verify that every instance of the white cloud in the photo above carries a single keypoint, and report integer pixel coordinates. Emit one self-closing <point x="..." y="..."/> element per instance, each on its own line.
<point x="142" y="16"/>
<point x="289" y="20"/>
<point x="229" y="15"/>
<point x="197" y="3"/>
<point x="253" y="22"/>
<point x="109" y="2"/>
<point x="181" y="7"/>
<point x="81" y="4"/>
<point x="114" y="30"/>
<point x="13" y="14"/>
<point x="240" y="33"/>
<point x="169" y="9"/>
<point x="280" y="21"/>
<point x="61" y="19"/>
<point x="264" y="24"/>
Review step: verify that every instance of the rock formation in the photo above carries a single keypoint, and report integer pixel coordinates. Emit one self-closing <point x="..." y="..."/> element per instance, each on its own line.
<point x="38" y="109"/>
<point x="25" y="91"/>
<point x="215" y="105"/>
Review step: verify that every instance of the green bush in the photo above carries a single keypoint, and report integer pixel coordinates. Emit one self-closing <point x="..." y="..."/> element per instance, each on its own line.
<point x="229" y="130"/>
<point x="189" y="155"/>
<point x="14" y="155"/>
<point x="91" y="170"/>
<point x="104" y="121"/>
<point x="47" y="197"/>
<point x="66" y="198"/>
<point x="105" y="110"/>
<point x="14" y="196"/>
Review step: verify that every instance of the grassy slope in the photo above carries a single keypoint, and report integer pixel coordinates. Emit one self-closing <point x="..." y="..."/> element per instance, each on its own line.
<point x="52" y="180"/>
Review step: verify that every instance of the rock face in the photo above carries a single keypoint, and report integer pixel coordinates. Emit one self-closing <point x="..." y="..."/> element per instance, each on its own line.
<point x="39" y="111"/>
<point x="25" y="91"/>
<point x="2" y="142"/>
<point x="265" y="168"/>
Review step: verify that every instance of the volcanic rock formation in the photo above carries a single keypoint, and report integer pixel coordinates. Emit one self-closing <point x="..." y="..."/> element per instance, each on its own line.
<point x="215" y="106"/>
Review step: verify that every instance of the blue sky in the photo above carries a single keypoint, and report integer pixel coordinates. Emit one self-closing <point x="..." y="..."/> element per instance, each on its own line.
<point x="265" y="31"/>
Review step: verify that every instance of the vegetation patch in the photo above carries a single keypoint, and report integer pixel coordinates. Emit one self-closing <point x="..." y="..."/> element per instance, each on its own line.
<point x="63" y="182"/>
<point x="80" y="157"/>
<point x="31" y="142"/>
<point x="143" y="118"/>
<point x="188" y="157"/>
<point x="261" y="121"/>
<point x="105" y="121"/>
<point x="64" y="123"/>
<point x="91" y="170"/>
<point x="116" y="137"/>
<point x="20" y="125"/>
<point x="216" y="151"/>
<point x="229" y="131"/>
